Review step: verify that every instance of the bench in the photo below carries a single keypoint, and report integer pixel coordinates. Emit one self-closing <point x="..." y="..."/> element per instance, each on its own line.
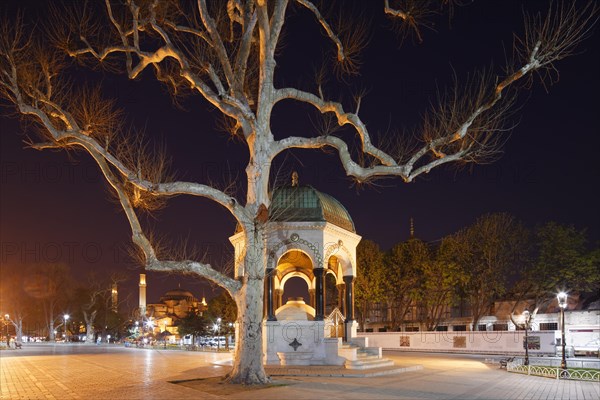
<point x="505" y="361"/>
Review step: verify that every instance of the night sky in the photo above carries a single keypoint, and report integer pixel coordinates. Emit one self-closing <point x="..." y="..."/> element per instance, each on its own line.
<point x="54" y="206"/>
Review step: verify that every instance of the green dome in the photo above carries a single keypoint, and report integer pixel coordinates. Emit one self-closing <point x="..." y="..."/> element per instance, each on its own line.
<point x="305" y="203"/>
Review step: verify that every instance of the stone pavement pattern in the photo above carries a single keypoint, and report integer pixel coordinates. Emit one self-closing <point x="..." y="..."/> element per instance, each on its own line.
<point x="125" y="374"/>
<point x="118" y="373"/>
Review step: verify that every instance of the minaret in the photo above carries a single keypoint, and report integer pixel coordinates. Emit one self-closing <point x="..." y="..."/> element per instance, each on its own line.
<point x="114" y="299"/>
<point x="203" y="306"/>
<point x="142" y="295"/>
<point x="412" y="228"/>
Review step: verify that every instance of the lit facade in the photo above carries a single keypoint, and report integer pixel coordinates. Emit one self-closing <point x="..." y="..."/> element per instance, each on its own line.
<point x="162" y="317"/>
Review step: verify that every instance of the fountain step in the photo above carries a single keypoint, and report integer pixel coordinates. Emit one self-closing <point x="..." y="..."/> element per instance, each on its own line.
<point x="369" y="363"/>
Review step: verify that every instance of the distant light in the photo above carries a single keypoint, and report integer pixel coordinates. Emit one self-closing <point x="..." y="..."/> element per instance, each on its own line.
<point x="66" y="316"/>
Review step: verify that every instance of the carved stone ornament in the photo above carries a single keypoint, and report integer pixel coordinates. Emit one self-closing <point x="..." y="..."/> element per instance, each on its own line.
<point x="295" y="344"/>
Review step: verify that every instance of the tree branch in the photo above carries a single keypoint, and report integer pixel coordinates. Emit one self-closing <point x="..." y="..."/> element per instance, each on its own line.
<point x="193" y="267"/>
<point x="231" y="105"/>
<point x="217" y="42"/>
<point x="342" y="116"/>
<point x="141" y="241"/>
<point x="330" y="33"/>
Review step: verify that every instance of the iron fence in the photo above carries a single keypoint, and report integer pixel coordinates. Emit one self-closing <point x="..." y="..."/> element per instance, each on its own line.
<point x="554" y="372"/>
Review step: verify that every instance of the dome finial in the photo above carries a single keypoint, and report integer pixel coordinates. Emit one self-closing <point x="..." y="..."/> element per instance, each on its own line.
<point x="294" y="179"/>
<point x="412" y="228"/>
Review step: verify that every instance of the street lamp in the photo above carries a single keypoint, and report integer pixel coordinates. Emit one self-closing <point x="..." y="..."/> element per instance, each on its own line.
<point x="527" y="317"/>
<point x="66" y="317"/>
<point x="562" y="303"/>
<point x="150" y="326"/>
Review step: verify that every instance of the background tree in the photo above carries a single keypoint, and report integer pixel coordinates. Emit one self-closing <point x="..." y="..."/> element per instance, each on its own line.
<point x="225" y="52"/>
<point x="441" y="276"/>
<point x="370" y="286"/>
<point x="92" y="303"/>
<point x="490" y="251"/>
<point x="87" y="297"/>
<point x="563" y="260"/>
<point x="222" y="306"/>
<point x="194" y="324"/>
<point x="15" y="302"/>
<point x="51" y="286"/>
<point x="403" y="271"/>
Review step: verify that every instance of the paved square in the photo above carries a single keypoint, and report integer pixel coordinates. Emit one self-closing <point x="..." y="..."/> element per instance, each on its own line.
<point x="64" y="371"/>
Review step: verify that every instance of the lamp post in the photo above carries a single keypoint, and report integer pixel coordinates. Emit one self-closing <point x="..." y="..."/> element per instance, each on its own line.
<point x="562" y="303"/>
<point x="150" y="335"/>
<point x="527" y="316"/>
<point x="66" y="317"/>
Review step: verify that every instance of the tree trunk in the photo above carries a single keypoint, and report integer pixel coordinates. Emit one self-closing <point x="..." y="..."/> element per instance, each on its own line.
<point x="18" y="324"/>
<point x="248" y="365"/>
<point x="51" y="334"/>
<point x="248" y="368"/>
<point x="90" y="332"/>
<point x="476" y="319"/>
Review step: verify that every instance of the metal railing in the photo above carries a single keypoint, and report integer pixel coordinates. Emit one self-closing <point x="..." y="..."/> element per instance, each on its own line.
<point x="554" y="372"/>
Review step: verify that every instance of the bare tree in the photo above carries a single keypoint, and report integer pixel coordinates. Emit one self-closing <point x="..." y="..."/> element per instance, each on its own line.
<point x="95" y="299"/>
<point x="14" y="302"/>
<point x="89" y="310"/>
<point x="226" y="53"/>
<point x="49" y="285"/>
